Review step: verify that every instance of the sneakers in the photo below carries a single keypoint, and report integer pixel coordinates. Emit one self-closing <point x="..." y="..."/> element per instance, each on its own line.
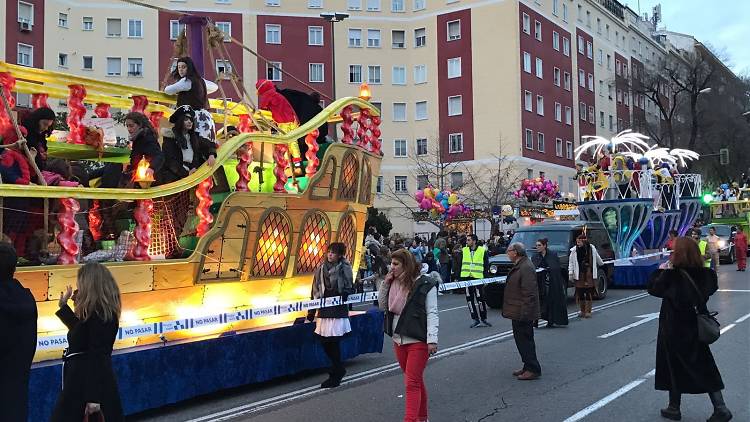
<point x="672" y="413"/>
<point x="528" y="376"/>
<point x="475" y="324"/>
<point x="485" y="323"/>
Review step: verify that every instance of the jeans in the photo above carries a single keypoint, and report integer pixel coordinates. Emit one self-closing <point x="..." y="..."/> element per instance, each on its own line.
<point x="523" y="334"/>
<point x="413" y="358"/>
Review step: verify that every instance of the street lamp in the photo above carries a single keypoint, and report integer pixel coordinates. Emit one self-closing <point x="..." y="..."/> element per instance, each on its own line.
<point x="333" y="18"/>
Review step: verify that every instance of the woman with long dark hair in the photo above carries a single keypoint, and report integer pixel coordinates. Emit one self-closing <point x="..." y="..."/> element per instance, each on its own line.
<point x="554" y="307"/>
<point x="583" y="268"/>
<point x="39" y="125"/>
<point x="684" y="365"/>
<point x="411" y="319"/>
<point x="191" y="89"/>
<point x="184" y="151"/>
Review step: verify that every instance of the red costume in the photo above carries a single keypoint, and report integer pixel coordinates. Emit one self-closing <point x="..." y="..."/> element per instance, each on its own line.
<point x="271" y="100"/>
<point x="740" y="249"/>
<point x="14" y="167"/>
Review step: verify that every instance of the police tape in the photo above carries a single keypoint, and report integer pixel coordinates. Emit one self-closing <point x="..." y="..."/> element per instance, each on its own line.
<point x="238" y="315"/>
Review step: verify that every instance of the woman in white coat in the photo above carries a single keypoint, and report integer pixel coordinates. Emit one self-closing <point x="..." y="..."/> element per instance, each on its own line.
<point x="191" y="89"/>
<point x="583" y="268"/>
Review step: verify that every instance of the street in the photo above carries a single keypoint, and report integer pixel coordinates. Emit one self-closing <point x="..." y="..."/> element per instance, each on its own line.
<point x="594" y="370"/>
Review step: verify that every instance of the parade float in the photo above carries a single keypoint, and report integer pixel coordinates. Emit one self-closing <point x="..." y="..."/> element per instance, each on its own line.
<point x="223" y="312"/>
<point x="634" y="190"/>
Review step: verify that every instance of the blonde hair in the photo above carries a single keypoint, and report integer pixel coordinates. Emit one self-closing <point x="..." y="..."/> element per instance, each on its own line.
<point x="98" y="293"/>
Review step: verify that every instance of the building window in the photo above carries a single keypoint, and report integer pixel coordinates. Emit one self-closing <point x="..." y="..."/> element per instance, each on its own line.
<point x="581" y="45"/>
<point x="399" y="75"/>
<point x="26" y="13"/>
<point x="457" y="180"/>
<point x="609" y="62"/>
<point x="526" y="24"/>
<point x="379" y="185"/>
<point x="62" y="20"/>
<point x="558" y="112"/>
<point x="566" y="80"/>
<point x="566" y="46"/>
<point x="354" y="4"/>
<point x="455" y="105"/>
<point x="373" y="74"/>
<point x="135" y="28"/>
<point x="114" y="27"/>
<point x="540" y="105"/>
<point x="539" y="68"/>
<point x="373" y="38"/>
<point x="420" y="110"/>
<point x="355" y="73"/>
<point x="273" y="71"/>
<point x="601" y="119"/>
<point x="273" y="34"/>
<point x="611" y="124"/>
<point x="226" y="29"/>
<point x="399" y="148"/>
<point x="556" y="76"/>
<point x="591" y="82"/>
<point x="114" y="66"/>
<point x="619" y="96"/>
<point x="582" y="111"/>
<point x="565" y="12"/>
<point x="420" y="37"/>
<point x="421" y="146"/>
<point x="454" y="30"/>
<point x="399" y="184"/>
<point x="422" y="181"/>
<point x="592" y="115"/>
<point x="316" y="72"/>
<point x="454" y="68"/>
<point x="529" y="138"/>
<point x="526" y="62"/>
<point x="135" y="66"/>
<point x="399" y="112"/>
<point x="175" y="29"/>
<point x="314" y="35"/>
<point x="420" y="4"/>
<point x="355" y="38"/>
<point x="589" y="50"/>
<point x="88" y="24"/>
<point x="569" y="150"/>
<point x="398" y="39"/>
<point x="224" y="69"/>
<point x="62" y="60"/>
<point x="25" y="55"/>
<point x="88" y="62"/>
<point x="314" y="4"/>
<point x="540" y="142"/>
<point x="538" y="30"/>
<point x="555" y="7"/>
<point x="582" y="78"/>
<point x="568" y="116"/>
<point x="273" y="2"/>
<point x="527" y="101"/>
<point x="373" y="5"/>
<point x="558" y="147"/>
<point x="455" y="143"/>
<point x="556" y="40"/>
<point x="420" y="74"/>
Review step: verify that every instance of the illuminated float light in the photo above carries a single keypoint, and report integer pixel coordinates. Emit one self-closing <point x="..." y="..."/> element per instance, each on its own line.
<point x="708" y="198"/>
<point x="144" y="175"/>
<point x="51" y="324"/>
<point x="364" y="92"/>
<point x="130" y="318"/>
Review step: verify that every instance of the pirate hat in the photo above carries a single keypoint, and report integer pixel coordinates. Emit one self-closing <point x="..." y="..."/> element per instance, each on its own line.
<point x="181" y="113"/>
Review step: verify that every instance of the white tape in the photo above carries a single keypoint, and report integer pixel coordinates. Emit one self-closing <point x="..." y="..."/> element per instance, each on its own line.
<point x="156" y="328"/>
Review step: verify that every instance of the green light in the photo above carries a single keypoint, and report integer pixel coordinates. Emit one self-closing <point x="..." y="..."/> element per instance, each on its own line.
<point x="707" y="198"/>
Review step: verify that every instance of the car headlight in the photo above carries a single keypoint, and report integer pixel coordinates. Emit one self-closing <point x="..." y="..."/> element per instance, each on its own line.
<point x="721" y="244"/>
<point x="493" y="269"/>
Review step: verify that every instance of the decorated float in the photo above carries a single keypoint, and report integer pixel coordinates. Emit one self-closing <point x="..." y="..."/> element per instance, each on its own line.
<point x="223" y="311"/>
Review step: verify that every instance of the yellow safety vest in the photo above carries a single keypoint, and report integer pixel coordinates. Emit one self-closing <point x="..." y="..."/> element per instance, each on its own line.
<point x="472" y="266"/>
<point x="702" y="245"/>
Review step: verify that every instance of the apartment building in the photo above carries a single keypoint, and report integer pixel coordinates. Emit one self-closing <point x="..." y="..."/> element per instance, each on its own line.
<point x="522" y="78"/>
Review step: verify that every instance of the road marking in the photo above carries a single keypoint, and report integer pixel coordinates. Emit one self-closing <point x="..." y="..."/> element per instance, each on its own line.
<point x="732" y="290"/>
<point x="727" y="328"/>
<point x="646" y="318"/>
<point x="453" y="309"/>
<point x="742" y="319"/>
<point x="374" y="372"/>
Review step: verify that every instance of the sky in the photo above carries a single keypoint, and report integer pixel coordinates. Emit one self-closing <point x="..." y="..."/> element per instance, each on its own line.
<point x="724" y="24"/>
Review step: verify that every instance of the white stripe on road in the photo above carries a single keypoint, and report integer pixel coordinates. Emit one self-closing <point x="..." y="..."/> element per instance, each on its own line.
<point x="732" y="290"/>
<point x="727" y="328"/>
<point x="742" y="319"/>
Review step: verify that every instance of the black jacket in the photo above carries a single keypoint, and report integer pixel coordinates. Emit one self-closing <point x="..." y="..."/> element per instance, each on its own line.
<point x="146" y="145"/>
<point x="173" y="168"/>
<point x="17" y="346"/>
<point x="413" y="320"/>
<point x="552" y="295"/>
<point x="88" y="378"/>
<point x="682" y="362"/>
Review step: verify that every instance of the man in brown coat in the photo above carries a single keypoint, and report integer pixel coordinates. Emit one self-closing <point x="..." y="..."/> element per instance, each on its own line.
<point x="521" y="305"/>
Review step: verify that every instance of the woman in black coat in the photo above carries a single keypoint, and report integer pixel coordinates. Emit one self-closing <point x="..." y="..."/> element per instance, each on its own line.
<point x="684" y="365"/>
<point x="89" y="384"/>
<point x="554" y="307"/>
<point x="184" y="151"/>
<point x="39" y="125"/>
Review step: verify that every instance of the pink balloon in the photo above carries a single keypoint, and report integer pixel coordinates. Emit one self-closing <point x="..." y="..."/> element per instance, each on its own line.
<point x="419" y="196"/>
<point x="426" y="204"/>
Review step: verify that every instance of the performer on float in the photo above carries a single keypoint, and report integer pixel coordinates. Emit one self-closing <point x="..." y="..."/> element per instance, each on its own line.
<point x="665" y="182"/>
<point x="39" y="125"/>
<point x="191" y="89"/>
<point x="283" y="114"/>
<point x="582" y="183"/>
<point x="621" y="175"/>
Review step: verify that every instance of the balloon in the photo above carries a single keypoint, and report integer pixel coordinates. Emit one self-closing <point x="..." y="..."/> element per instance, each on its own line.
<point x="452" y="199"/>
<point x="426" y="204"/>
<point x="428" y="193"/>
<point x="439" y="196"/>
<point x="419" y="196"/>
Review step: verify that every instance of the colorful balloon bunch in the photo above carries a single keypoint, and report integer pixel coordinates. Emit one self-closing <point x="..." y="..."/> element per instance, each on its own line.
<point x="444" y="205"/>
<point x="539" y="189"/>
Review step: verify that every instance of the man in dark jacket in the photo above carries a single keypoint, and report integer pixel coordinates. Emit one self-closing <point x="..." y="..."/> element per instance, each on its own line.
<point x="17" y="339"/>
<point x="521" y="305"/>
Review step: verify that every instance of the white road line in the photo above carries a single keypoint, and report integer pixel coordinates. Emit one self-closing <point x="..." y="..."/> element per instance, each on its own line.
<point x="732" y="290"/>
<point x="742" y="319"/>
<point x="646" y="318"/>
<point x="374" y="372"/>
<point x="453" y="309"/>
<point x="727" y="328"/>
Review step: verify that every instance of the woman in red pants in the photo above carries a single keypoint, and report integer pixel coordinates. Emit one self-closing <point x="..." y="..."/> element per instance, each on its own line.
<point x="740" y="248"/>
<point x="411" y="319"/>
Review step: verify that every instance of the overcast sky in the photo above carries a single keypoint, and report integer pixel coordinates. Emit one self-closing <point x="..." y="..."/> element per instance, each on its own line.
<point x="724" y="24"/>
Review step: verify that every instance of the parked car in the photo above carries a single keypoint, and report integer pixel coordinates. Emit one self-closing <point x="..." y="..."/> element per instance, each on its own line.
<point x="726" y="233"/>
<point x="561" y="236"/>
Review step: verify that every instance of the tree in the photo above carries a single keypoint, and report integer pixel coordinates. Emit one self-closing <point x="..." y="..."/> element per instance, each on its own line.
<point x="378" y="220"/>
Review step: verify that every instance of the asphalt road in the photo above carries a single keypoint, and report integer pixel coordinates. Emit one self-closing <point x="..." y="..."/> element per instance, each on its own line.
<point x="594" y="370"/>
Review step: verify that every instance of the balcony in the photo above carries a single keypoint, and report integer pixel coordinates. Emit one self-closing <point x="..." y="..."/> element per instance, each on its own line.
<point x="614" y="7"/>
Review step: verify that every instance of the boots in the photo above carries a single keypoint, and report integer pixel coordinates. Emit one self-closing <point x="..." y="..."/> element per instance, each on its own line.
<point x="672" y="411"/>
<point x="583" y="307"/>
<point x="589" y="306"/>
<point x="721" y="413"/>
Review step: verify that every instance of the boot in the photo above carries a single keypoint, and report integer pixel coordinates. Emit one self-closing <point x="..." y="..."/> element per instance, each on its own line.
<point x="582" y="306"/>
<point x="589" y="306"/>
<point x="721" y="412"/>
<point x="672" y="411"/>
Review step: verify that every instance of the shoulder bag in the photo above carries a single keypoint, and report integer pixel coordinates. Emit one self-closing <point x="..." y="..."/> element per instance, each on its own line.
<point x="708" y="327"/>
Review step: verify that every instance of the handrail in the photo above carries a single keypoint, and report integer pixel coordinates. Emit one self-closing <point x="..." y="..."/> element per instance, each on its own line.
<point x="224" y="153"/>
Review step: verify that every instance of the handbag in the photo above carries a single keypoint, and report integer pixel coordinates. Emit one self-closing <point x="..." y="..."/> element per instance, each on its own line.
<point x="707" y="325"/>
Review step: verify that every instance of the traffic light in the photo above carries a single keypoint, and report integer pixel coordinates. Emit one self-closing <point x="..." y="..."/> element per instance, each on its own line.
<point x="707" y="198"/>
<point x="724" y="156"/>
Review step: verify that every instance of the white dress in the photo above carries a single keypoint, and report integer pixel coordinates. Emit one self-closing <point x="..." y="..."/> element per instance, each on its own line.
<point x="204" y="123"/>
<point x="331" y="327"/>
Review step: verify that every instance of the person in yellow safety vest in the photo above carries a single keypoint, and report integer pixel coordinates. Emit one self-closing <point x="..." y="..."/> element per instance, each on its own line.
<point x="703" y="246"/>
<point x="475" y="265"/>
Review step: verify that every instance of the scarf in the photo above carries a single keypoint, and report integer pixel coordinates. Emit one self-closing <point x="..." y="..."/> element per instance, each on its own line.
<point x="398" y="293"/>
<point x="135" y="135"/>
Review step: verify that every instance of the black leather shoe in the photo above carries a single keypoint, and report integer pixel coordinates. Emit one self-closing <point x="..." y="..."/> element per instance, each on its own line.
<point x="671" y="413"/>
<point x="720" y="415"/>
